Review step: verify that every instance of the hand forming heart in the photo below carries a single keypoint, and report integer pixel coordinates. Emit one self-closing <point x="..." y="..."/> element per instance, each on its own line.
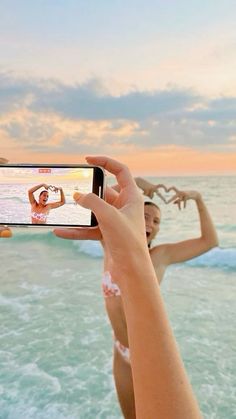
<point x="52" y="188"/>
<point x="167" y="191"/>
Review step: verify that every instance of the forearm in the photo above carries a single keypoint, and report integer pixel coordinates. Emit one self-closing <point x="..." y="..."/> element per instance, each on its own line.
<point x="63" y="200"/>
<point x="160" y="382"/>
<point x="147" y="187"/>
<point x="208" y="231"/>
<point x="35" y="188"/>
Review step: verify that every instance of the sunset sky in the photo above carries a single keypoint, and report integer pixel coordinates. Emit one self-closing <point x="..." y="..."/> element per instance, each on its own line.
<point x="44" y="175"/>
<point x="149" y="82"/>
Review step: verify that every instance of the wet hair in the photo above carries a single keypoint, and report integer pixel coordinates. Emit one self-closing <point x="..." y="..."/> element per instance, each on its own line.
<point x="149" y="203"/>
<point x="152" y="203"/>
<point x="42" y="192"/>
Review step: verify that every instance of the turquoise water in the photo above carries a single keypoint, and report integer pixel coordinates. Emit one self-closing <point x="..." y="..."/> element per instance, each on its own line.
<point x="55" y="340"/>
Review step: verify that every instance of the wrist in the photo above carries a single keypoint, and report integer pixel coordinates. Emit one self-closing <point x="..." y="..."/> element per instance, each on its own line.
<point x="198" y="197"/>
<point x="200" y="203"/>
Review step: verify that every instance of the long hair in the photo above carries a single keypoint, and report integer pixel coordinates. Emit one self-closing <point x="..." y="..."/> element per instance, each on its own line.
<point x="42" y="192"/>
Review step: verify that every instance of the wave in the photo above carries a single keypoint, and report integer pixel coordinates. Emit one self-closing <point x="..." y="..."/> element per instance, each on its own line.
<point x="223" y="258"/>
<point x="41" y="235"/>
<point x="15" y="198"/>
<point x="216" y="258"/>
<point x="89" y="247"/>
<point x="32" y="234"/>
<point x="226" y="227"/>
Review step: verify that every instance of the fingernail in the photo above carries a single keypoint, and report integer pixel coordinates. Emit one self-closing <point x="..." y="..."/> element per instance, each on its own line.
<point x="76" y="196"/>
<point x="5" y="233"/>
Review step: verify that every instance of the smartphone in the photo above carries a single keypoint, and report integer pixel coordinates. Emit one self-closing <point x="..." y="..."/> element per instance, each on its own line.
<point x="42" y="195"/>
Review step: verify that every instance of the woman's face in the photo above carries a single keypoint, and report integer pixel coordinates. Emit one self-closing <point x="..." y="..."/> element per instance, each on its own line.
<point x="43" y="198"/>
<point x="152" y="221"/>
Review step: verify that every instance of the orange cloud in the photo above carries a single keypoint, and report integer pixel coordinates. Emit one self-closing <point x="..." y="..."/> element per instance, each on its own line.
<point x="52" y="128"/>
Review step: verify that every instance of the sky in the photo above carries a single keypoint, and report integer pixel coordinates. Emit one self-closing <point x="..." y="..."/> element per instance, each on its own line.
<point x="44" y="175"/>
<point x="151" y="83"/>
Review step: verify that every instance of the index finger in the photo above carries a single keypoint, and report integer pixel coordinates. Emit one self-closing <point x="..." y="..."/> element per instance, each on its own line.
<point x="121" y="171"/>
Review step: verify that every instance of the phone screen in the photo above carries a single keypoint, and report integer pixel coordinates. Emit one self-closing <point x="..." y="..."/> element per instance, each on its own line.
<point x="43" y="195"/>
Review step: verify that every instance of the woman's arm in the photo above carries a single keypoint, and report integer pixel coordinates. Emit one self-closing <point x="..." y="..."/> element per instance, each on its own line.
<point x="188" y="249"/>
<point x="147" y="187"/>
<point x="34" y="189"/>
<point x="161" y="385"/>
<point x="59" y="203"/>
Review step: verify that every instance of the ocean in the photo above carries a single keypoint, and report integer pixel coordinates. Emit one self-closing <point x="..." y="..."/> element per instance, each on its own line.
<point x="55" y="339"/>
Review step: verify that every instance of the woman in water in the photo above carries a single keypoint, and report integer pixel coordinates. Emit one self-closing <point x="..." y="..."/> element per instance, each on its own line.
<point x="162" y="256"/>
<point x="40" y="210"/>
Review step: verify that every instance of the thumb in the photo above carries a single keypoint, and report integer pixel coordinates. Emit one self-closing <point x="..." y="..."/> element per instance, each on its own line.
<point x="91" y="201"/>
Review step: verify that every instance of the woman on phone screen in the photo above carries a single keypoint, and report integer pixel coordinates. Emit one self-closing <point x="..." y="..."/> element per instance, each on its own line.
<point x="41" y="209"/>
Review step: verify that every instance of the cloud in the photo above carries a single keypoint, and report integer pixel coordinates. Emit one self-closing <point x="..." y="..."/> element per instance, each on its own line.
<point x="48" y="132"/>
<point x="90" y="100"/>
<point x="46" y="115"/>
<point x="85" y="103"/>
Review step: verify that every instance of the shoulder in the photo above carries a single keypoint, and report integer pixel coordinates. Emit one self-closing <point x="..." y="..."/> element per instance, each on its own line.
<point x="157" y="252"/>
<point x="159" y="255"/>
